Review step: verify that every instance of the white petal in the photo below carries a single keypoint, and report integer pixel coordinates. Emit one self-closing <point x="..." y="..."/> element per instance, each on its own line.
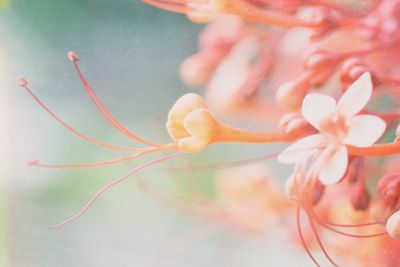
<point x="335" y="167"/>
<point x="364" y="130"/>
<point x="356" y="96"/>
<point x="301" y="149"/>
<point x="317" y="108"/>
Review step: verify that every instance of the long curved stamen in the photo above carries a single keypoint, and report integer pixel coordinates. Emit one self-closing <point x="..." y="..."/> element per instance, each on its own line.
<point x="354" y="225"/>
<point x="95" y="164"/>
<point x="298" y="223"/>
<point x="23" y="82"/>
<point x="231" y="164"/>
<point x="169" y="6"/>
<point x="102" y="108"/>
<point x="325" y="225"/>
<point x="179" y="6"/>
<point x="308" y="207"/>
<point x="108" y="186"/>
<point x="351" y="235"/>
<point x="224" y="165"/>
<point x="320" y="242"/>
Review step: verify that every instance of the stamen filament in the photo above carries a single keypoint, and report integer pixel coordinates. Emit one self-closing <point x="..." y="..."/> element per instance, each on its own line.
<point x="320" y="242"/>
<point x="174" y="7"/>
<point x="96" y="164"/>
<point x="73" y="130"/>
<point x="298" y="223"/>
<point x="103" y="110"/>
<point x="108" y="186"/>
<point x="310" y="212"/>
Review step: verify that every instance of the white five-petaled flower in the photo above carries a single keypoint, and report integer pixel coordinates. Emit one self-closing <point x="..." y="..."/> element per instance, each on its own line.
<point x="339" y="125"/>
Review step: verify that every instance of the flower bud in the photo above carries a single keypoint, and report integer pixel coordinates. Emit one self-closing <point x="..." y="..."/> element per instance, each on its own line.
<point x="190" y="124"/>
<point x="292" y="121"/>
<point x="359" y="196"/>
<point x="319" y="59"/>
<point x="291" y="94"/>
<point x="393" y="225"/>
<point x="196" y="70"/>
<point x="322" y="65"/>
<point x="351" y="69"/>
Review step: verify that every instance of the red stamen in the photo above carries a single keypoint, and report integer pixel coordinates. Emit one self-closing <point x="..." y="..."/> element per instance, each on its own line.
<point x="230" y="164"/>
<point x="102" y="108"/>
<point x="93" y="165"/>
<point x="354" y="225"/>
<point x="298" y="223"/>
<point x="225" y="164"/>
<point x="322" y="223"/>
<point x="23" y="82"/>
<point x="351" y="235"/>
<point x="108" y="186"/>
<point x="320" y="242"/>
<point x="174" y="7"/>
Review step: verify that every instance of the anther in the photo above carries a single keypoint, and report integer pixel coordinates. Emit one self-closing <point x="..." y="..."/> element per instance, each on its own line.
<point x="22" y="82"/>
<point x="73" y="56"/>
<point x="32" y="163"/>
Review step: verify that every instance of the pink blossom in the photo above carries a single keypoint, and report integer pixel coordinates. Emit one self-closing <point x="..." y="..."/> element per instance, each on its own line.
<point x="338" y="125"/>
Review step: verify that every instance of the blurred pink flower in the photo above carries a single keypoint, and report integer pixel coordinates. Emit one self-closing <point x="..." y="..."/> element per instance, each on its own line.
<point x="339" y="125"/>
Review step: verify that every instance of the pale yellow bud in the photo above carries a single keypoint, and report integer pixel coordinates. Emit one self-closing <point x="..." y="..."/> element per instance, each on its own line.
<point x="190" y="124"/>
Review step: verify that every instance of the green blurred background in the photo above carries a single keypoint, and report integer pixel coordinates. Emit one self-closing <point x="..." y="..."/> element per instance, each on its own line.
<point x="130" y="53"/>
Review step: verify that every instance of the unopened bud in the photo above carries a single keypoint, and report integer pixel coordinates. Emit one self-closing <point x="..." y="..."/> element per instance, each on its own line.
<point x="196" y="70"/>
<point x="393" y="225"/>
<point x="355" y="170"/>
<point x="351" y="69"/>
<point x="319" y="59"/>
<point x="291" y="94"/>
<point x="359" y="197"/>
<point x="292" y="121"/>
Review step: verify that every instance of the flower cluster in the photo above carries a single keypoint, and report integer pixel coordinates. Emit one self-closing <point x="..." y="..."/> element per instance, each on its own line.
<point x="269" y="58"/>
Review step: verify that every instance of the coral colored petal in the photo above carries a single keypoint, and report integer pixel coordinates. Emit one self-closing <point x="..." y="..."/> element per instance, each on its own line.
<point x="317" y="108"/>
<point x="335" y="167"/>
<point x="301" y="149"/>
<point x="356" y="96"/>
<point x="364" y="130"/>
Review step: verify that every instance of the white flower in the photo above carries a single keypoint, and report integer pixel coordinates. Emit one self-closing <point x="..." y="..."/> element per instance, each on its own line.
<point x="339" y="125"/>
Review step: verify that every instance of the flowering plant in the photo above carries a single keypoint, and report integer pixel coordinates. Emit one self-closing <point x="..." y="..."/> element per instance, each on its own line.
<point x="268" y="58"/>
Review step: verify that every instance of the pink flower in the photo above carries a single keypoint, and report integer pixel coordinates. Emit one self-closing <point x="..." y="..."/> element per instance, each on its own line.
<point x="339" y="125"/>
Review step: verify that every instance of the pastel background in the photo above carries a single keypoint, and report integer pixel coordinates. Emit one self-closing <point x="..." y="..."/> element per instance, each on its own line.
<point x="130" y="53"/>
